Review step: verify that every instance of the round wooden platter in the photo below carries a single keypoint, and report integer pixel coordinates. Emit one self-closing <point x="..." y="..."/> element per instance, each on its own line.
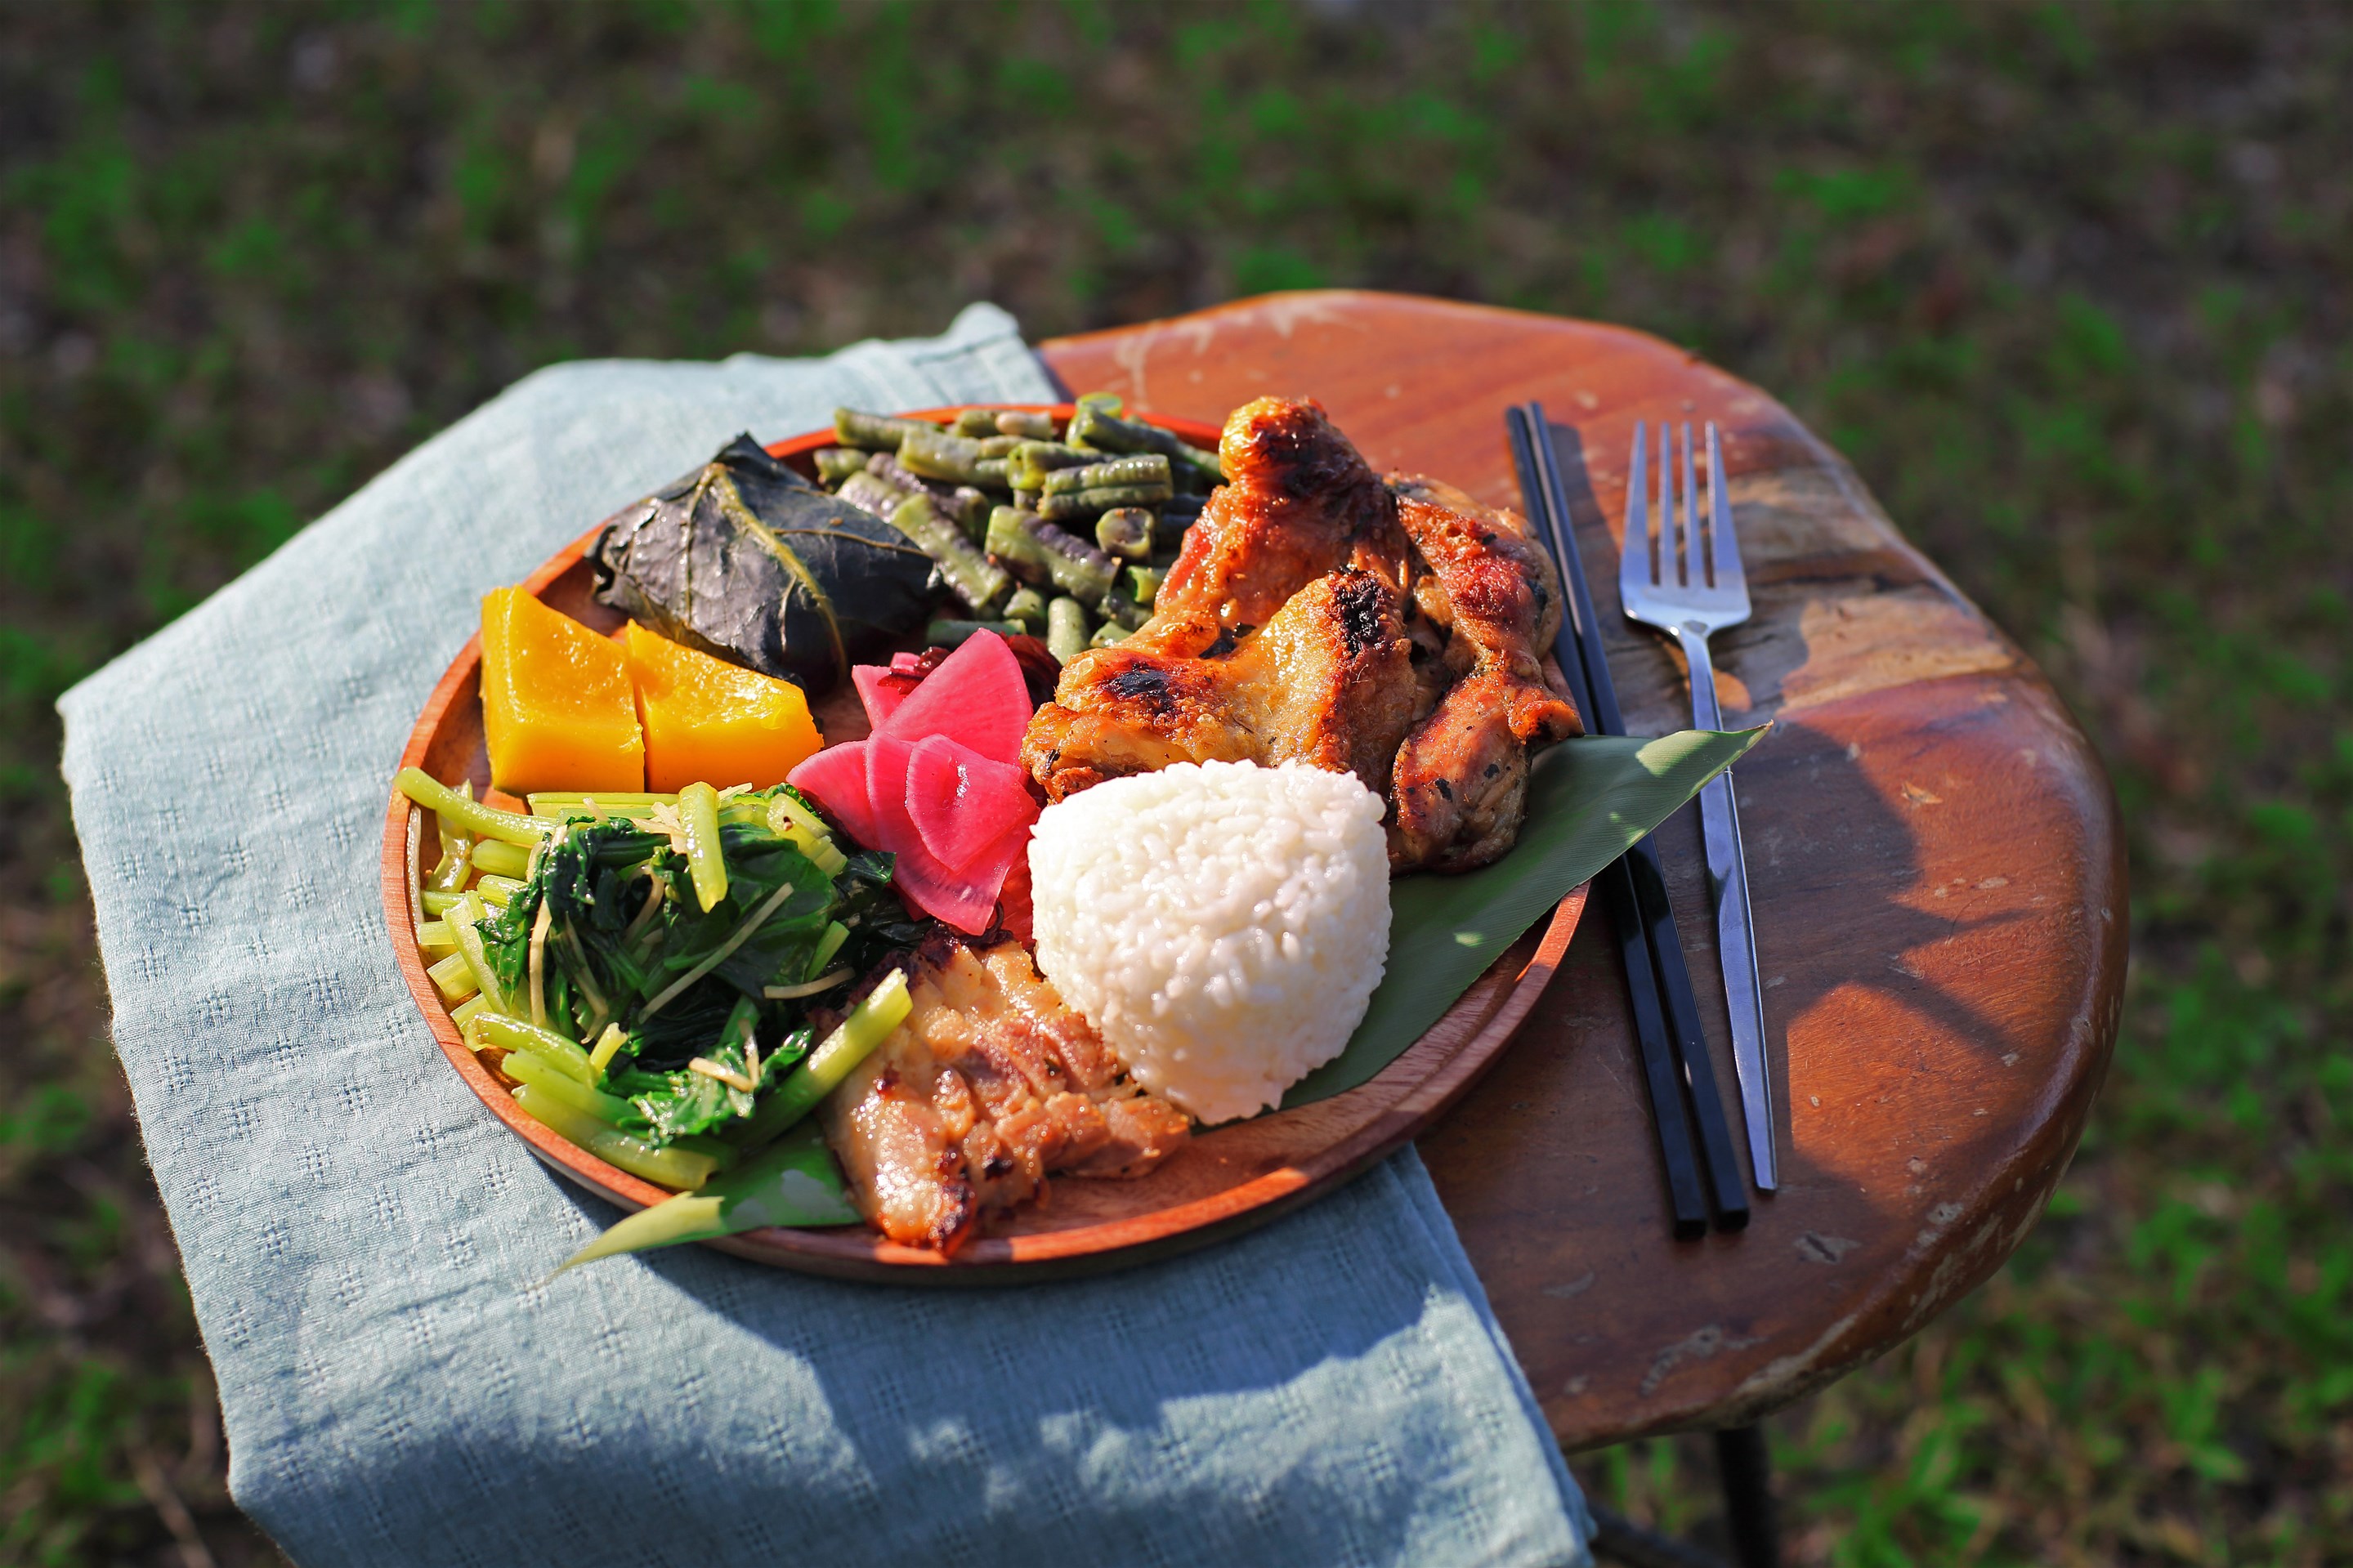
<point x="1228" y="1179"/>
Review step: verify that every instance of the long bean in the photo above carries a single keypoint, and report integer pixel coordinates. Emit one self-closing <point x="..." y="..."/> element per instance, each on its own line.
<point x="873" y="431"/>
<point x="698" y="820"/>
<point x="976" y="580"/>
<point x="976" y="423"/>
<point x="867" y="1025"/>
<point x="1024" y="423"/>
<point x="1096" y="427"/>
<point x="1039" y="550"/>
<point x="1144" y="585"/>
<point x="936" y="455"/>
<point x="1066" y="629"/>
<point x="1027" y="608"/>
<point x="834" y="463"/>
<point x="868" y="493"/>
<point x="1069" y="505"/>
<point x="955" y="633"/>
<point x="1148" y="468"/>
<point x="1116" y="608"/>
<point x="681" y="1170"/>
<point x="481" y="821"/>
<point x="1125" y="534"/>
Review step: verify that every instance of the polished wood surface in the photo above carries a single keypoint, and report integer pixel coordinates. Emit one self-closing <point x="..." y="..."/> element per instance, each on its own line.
<point x="1933" y="857"/>
<point x="1226" y="1180"/>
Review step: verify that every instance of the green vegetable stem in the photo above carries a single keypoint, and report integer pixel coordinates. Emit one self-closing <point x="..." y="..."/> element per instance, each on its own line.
<point x="698" y="819"/>
<point x="867" y="1025"/>
<point x="681" y="1170"/>
<point x="481" y="821"/>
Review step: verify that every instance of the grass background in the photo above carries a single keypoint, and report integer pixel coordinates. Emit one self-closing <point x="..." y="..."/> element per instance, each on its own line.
<point x="2068" y="282"/>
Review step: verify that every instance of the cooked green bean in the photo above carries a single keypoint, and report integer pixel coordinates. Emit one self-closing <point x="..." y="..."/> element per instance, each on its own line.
<point x="1107" y="401"/>
<point x="1150" y="470"/>
<point x="481" y="821"/>
<point x="681" y="1170"/>
<point x="502" y="859"/>
<point x="1107" y="633"/>
<point x="1037" y="548"/>
<point x="867" y="1025"/>
<point x="979" y="581"/>
<point x="1105" y="431"/>
<point x="954" y="633"/>
<point x="936" y="455"/>
<point x="1029" y="424"/>
<point x="1066" y="629"/>
<point x="834" y="463"/>
<point x="1120" y="610"/>
<point x="1125" y="534"/>
<point x="969" y="508"/>
<point x="994" y="473"/>
<point x="1030" y="462"/>
<point x="995" y="445"/>
<point x="869" y="493"/>
<point x="975" y="422"/>
<point x="1144" y="585"/>
<point x="1082" y="504"/>
<point x="1027" y="609"/>
<point x="454" y="979"/>
<point x="873" y="431"/>
<point x="698" y="820"/>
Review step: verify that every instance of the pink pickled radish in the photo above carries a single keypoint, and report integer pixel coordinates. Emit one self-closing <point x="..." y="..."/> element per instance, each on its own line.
<point x="962" y="802"/>
<point x="977" y="696"/>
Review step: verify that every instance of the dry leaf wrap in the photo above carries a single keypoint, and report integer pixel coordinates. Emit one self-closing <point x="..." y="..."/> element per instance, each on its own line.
<point x="744" y="559"/>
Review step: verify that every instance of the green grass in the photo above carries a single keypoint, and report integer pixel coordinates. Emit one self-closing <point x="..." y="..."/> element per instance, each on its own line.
<point x="2065" y="281"/>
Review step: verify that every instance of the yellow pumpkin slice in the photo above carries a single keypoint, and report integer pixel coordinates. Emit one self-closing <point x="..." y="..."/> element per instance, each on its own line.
<point x="557" y="709"/>
<point x="709" y="722"/>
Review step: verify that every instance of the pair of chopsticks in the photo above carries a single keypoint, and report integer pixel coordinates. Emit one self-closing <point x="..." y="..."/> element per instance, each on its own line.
<point x="1695" y="1137"/>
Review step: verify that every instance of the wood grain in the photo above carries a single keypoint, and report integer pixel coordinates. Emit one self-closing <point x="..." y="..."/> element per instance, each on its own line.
<point x="1226" y="1179"/>
<point x="1937" y="876"/>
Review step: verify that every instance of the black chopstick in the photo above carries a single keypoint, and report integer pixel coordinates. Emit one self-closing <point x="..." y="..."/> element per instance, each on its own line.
<point x="1666" y="1010"/>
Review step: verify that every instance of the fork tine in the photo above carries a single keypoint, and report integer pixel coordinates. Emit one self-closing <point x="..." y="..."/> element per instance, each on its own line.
<point x="1634" y="556"/>
<point x="1694" y="562"/>
<point x="1668" y="543"/>
<point x="1728" y="574"/>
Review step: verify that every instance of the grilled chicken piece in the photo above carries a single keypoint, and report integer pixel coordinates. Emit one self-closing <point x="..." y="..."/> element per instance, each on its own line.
<point x="990" y="1085"/>
<point x="1328" y="680"/>
<point x="1300" y="503"/>
<point x="1459" y="790"/>
<point x="1393" y="630"/>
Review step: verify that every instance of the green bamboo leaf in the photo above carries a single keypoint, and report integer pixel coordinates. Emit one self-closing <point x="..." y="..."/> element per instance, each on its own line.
<point x="793" y="1182"/>
<point x="1590" y="801"/>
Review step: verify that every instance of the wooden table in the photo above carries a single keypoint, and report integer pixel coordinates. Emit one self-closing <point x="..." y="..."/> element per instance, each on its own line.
<point x="1934" y="856"/>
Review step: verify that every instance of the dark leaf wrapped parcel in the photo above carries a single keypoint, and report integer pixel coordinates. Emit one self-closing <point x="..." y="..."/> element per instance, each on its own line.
<point x="744" y="559"/>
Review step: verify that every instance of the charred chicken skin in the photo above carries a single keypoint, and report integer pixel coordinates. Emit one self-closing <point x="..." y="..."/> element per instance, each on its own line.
<point x="1392" y="629"/>
<point x="989" y="1084"/>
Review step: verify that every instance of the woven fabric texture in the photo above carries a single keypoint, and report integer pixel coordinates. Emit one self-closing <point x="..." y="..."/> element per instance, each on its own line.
<point x="369" y="1251"/>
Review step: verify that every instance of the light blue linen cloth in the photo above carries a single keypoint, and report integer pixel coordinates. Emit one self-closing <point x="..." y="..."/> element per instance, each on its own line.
<point x="369" y="1251"/>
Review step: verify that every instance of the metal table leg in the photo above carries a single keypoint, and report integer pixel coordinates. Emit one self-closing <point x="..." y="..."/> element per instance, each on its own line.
<point x="1745" y="1466"/>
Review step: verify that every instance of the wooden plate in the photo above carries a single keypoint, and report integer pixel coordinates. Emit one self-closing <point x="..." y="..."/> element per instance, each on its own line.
<point x="1226" y="1180"/>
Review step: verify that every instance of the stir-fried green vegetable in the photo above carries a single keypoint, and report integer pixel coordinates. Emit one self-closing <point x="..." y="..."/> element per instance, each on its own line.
<point x="649" y="984"/>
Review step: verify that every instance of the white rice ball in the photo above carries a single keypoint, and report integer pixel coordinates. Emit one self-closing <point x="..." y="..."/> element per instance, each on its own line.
<point x="1223" y="925"/>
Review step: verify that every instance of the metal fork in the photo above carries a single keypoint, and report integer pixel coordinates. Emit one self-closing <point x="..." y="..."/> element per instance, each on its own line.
<point x="1686" y="581"/>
